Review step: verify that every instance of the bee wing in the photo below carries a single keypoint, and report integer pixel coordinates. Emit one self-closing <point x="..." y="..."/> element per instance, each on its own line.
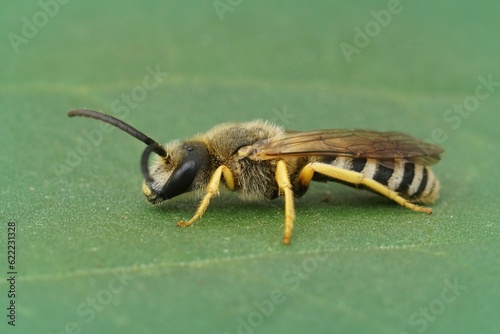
<point x="349" y="143"/>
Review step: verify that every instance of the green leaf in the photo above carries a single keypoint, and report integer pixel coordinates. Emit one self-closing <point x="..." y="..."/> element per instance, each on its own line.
<point x="93" y="257"/>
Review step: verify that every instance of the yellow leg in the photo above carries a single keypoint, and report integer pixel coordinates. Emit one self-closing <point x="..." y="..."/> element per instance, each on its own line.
<point x="356" y="178"/>
<point x="286" y="188"/>
<point x="212" y="190"/>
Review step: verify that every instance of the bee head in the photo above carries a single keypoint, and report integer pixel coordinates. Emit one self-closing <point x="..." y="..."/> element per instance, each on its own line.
<point x="181" y="169"/>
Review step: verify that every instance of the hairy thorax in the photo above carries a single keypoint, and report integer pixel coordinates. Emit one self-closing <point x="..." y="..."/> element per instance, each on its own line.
<point x="253" y="179"/>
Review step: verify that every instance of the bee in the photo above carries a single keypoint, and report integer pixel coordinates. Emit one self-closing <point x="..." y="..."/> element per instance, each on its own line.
<point x="259" y="160"/>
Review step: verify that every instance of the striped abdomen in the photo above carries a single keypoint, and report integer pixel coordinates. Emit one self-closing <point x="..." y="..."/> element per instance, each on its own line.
<point x="414" y="182"/>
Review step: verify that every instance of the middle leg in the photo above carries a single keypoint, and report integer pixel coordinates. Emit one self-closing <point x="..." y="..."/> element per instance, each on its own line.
<point x="286" y="187"/>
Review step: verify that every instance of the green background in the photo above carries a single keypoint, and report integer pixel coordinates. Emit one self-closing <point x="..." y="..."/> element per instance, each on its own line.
<point x="358" y="262"/>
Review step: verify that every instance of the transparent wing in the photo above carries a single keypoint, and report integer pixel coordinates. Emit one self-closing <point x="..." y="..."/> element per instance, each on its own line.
<point x="349" y="143"/>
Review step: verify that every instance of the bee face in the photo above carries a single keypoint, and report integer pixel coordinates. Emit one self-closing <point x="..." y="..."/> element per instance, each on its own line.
<point x="183" y="169"/>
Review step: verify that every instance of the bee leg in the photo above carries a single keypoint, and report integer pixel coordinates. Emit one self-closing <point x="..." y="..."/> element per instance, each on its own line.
<point x="286" y="187"/>
<point x="212" y="189"/>
<point x="356" y="178"/>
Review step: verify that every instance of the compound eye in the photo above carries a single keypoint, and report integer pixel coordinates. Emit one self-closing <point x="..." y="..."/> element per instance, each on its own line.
<point x="181" y="179"/>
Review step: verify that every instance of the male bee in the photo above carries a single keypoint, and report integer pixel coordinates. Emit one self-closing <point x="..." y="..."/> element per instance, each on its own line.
<point x="259" y="160"/>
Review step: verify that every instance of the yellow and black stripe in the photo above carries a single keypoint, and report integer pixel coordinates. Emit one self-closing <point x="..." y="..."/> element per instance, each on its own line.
<point x="414" y="182"/>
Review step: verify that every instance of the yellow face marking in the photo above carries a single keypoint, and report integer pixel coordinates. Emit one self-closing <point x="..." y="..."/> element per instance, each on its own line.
<point x="146" y="190"/>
